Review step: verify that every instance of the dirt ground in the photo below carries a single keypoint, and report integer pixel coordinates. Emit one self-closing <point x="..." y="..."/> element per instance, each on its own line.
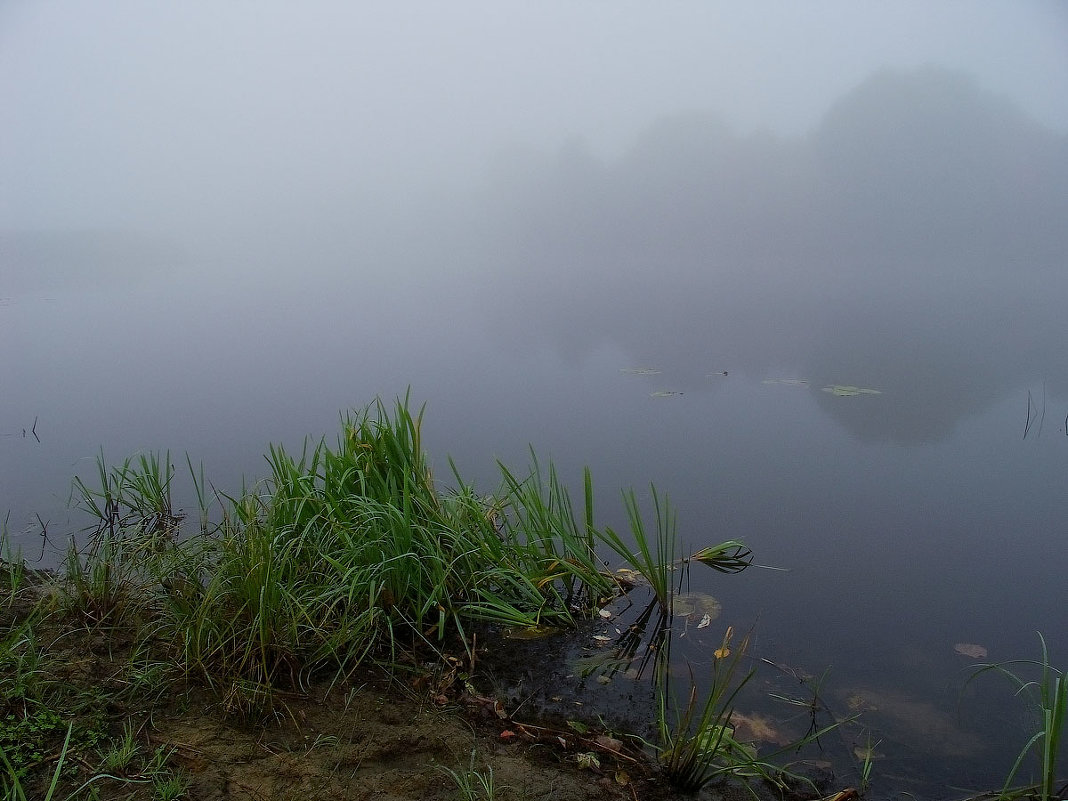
<point x="384" y="743"/>
<point x="417" y="736"/>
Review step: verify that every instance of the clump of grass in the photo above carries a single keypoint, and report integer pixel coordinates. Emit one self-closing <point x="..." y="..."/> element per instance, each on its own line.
<point x="656" y="557"/>
<point x="135" y="495"/>
<point x="1049" y="697"/>
<point x="12" y="566"/>
<point x="697" y="740"/>
<point x="473" y="784"/>
<point x="345" y="551"/>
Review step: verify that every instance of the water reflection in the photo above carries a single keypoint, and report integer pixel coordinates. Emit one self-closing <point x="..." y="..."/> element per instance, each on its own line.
<point x="910" y="243"/>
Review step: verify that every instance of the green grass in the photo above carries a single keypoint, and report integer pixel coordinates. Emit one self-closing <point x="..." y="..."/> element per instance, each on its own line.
<point x="473" y="784"/>
<point x="1049" y="698"/>
<point x="345" y="551"/>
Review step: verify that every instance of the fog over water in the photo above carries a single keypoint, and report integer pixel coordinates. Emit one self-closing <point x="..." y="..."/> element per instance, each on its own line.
<point x="220" y="224"/>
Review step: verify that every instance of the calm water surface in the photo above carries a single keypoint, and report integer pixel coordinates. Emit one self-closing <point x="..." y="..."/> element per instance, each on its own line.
<point x="913" y="244"/>
<point x="893" y="551"/>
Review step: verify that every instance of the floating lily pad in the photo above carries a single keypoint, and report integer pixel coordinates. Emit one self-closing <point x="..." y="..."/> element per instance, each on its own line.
<point x="970" y="649"/>
<point x="696" y="604"/>
<point x="845" y="391"/>
<point x="639" y="371"/>
<point x="789" y="382"/>
<point x="664" y="393"/>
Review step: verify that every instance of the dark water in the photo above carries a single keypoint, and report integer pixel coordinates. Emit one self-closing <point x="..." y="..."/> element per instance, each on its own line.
<point x="906" y="522"/>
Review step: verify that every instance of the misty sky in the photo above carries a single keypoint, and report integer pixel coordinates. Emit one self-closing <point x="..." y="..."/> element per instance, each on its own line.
<point x="170" y="116"/>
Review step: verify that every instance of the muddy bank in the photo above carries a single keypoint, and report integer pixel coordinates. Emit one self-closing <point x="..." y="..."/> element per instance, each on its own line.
<point x="419" y="733"/>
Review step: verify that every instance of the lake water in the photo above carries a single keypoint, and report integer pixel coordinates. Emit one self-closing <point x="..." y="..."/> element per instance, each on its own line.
<point x="930" y="269"/>
<point x="897" y="543"/>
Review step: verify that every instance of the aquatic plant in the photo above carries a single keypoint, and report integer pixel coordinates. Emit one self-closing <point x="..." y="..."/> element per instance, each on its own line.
<point x="697" y="739"/>
<point x="656" y="557"/>
<point x="697" y="742"/>
<point x="1049" y="697"/>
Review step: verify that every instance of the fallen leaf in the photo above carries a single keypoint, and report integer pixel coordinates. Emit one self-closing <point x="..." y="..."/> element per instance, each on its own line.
<point x="588" y="760"/>
<point x="705" y="621"/>
<point x="622" y="779"/>
<point x="970" y="649"/>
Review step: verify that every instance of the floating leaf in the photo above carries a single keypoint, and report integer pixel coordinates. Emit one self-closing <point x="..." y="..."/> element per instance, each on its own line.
<point x="722" y="652"/>
<point x="605" y="614"/>
<point x="696" y="603"/>
<point x="705" y="621"/>
<point x="664" y="393"/>
<point x="970" y="649"/>
<point x="845" y="391"/>
<point x="789" y="382"/>
<point x="638" y="371"/>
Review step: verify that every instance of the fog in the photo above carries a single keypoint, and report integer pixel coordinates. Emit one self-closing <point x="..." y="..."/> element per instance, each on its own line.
<point x="838" y="192"/>
<point x="222" y="223"/>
